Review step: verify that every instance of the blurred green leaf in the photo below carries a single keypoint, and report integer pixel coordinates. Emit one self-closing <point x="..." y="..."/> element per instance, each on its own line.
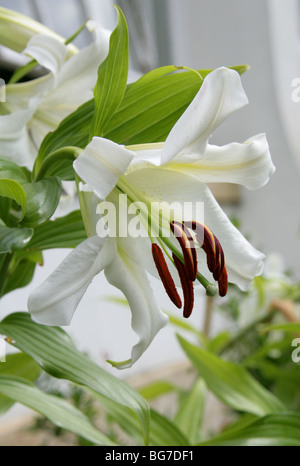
<point x="157" y="388"/>
<point x="272" y="430"/>
<point x="189" y="416"/>
<point x="293" y="327"/>
<point x="163" y="432"/>
<point x="20" y="365"/>
<point x="56" y="409"/>
<point x="55" y="352"/>
<point x="231" y="383"/>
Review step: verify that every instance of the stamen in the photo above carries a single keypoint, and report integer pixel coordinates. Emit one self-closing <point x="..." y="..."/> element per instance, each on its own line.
<point x="187" y="287"/>
<point x="214" y="254"/>
<point x="223" y="283"/>
<point x="206" y="240"/>
<point x="165" y="275"/>
<point x="188" y="247"/>
<point x="220" y="261"/>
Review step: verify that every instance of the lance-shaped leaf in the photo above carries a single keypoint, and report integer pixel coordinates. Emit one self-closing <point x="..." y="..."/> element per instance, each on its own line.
<point x="231" y="383"/>
<point x="280" y="430"/>
<point x="112" y="78"/>
<point x="56" y="409"/>
<point x="190" y="413"/>
<point x="20" y="365"/>
<point x="54" y="351"/>
<point x="163" y="431"/>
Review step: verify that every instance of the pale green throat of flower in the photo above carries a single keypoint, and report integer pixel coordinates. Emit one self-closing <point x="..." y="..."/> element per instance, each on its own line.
<point x="183" y="258"/>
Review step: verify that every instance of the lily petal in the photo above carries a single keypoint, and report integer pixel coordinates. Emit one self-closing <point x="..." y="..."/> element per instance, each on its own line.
<point x="101" y="164"/>
<point x="47" y="51"/>
<point x="248" y="164"/>
<point x="55" y="301"/>
<point x="243" y="261"/>
<point x="15" y="140"/>
<point x="77" y="77"/>
<point x="220" y="95"/>
<point x="147" y="318"/>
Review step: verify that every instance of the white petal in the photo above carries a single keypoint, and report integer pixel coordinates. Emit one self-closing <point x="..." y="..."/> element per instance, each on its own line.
<point x="73" y="85"/>
<point x="47" y="51"/>
<point x="101" y="164"/>
<point x="248" y="164"/>
<point x="77" y="77"/>
<point x="20" y="95"/>
<point x="55" y="301"/>
<point x="243" y="261"/>
<point x="220" y="95"/>
<point x="147" y="318"/>
<point x="15" y="142"/>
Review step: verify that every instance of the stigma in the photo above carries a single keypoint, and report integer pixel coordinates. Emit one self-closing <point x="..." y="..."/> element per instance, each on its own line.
<point x="186" y="263"/>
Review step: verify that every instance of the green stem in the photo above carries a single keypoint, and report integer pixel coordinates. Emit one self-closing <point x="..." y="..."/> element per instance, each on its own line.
<point x="208" y="315"/>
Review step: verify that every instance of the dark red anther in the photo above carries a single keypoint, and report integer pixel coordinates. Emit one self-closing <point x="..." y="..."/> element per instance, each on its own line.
<point x="214" y="253"/>
<point x="165" y="275"/>
<point x="187" y="287"/>
<point x="223" y="283"/>
<point x="220" y="261"/>
<point x="188" y="248"/>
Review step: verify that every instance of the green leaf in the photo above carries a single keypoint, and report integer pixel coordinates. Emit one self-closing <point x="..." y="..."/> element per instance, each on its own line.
<point x="293" y="327"/>
<point x="231" y="383"/>
<point x="11" y="171"/>
<point x="5" y="204"/>
<point x="149" y="110"/>
<point x="13" y="190"/>
<point x="112" y="78"/>
<point x="273" y="430"/>
<point x="54" y="351"/>
<point x="21" y="270"/>
<point x="54" y="408"/>
<point x="151" y="107"/>
<point x="190" y="413"/>
<point x="163" y="432"/>
<point x="12" y="239"/>
<point x="20" y="365"/>
<point x="64" y="232"/>
<point x="157" y="388"/>
<point x="42" y="200"/>
<point x="59" y="163"/>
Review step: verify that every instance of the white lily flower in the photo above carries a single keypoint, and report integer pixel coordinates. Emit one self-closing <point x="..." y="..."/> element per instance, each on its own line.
<point x="174" y="171"/>
<point x="16" y="29"/>
<point x="34" y="108"/>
